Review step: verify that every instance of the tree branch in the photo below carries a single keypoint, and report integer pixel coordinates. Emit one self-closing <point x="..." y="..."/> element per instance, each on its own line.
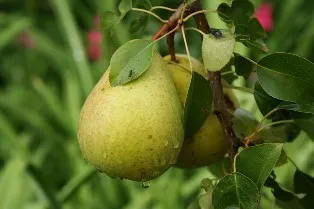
<point x="220" y="106"/>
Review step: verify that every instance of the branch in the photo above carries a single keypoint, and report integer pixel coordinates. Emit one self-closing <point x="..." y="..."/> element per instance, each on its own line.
<point x="220" y="106"/>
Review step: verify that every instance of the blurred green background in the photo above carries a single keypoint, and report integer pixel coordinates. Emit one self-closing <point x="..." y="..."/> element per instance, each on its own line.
<point x="51" y="54"/>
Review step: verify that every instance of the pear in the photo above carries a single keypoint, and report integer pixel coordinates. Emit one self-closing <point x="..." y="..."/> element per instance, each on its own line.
<point x="217" y="52"/>
<point x="133" y="131"/>
<point x="208" y="145"/>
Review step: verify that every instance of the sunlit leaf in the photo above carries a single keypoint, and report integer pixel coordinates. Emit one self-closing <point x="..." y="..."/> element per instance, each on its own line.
<point x="257" y="162"/>
<point x="288" y="77"/>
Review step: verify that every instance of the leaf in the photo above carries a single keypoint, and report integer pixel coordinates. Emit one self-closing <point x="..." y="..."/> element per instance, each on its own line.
<point x="130" y="61"/>
<point x="125" y="6"/>
<point x="283" y="159"/>
<point x="239" y="12"/>
<point x="12" y="182"/>
<point x="286" y="105"/>
<point x="255" y="30"/>
<point x="243" y="123"/>
<point x="139" y="24"/>
<point x="257" y="162"/>
<point x="243" y="67"/>
<point x="108" y="19"/>
<point x="113" y="29"/>
<point x="281" y="193"/>
<point x="235" y="190"/>
<point x="306" y="123"/>
<point x="288" y="77"/>
<point x="264" y="102"/>
<point x="198" y="104"/>
<point x="275" y="134"/>
<point x="223" y="11"/>
<point x="257" y="45"/>
<point x="304" y="183"/>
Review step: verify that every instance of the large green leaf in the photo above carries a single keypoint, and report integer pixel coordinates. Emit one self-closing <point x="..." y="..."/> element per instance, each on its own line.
<point x="235" y="190"/>
<point x="257" y="162"/>
<point x="198" y="104"/>
<point x="288" y="77"/>
<point x="130" y="61"/>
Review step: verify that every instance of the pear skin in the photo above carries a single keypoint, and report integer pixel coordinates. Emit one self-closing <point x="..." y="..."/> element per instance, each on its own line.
<point x="208" y="145"/>
<point x="133" y="131"/>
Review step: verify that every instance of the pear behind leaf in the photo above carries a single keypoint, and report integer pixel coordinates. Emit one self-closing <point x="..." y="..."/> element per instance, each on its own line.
<point x="208" y="145"/>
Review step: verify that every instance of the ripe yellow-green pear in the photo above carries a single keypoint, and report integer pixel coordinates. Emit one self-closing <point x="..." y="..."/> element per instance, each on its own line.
<point x="209" y="144"/>
<point x="217" y="52"/>
<point x="133" y="131"/>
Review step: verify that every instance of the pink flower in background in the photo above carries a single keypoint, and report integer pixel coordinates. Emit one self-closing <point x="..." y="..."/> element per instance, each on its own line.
<point x="94" y="37"/>
<point x="94" y="52"/>
<point x="264" y="13"/>
<point x="94" y="40"/>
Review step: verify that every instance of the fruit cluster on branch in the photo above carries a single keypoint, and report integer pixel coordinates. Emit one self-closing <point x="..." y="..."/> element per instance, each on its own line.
<point x="220" y="106"/>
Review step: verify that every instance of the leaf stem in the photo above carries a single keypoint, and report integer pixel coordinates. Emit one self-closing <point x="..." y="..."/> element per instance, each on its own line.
<point x="248" y="59"/>
<point x="198" y="12"/>
<point x="164" y="8"/>
<point x="266" y="116"/>
<point x="151" y="13"/>
<point x="248" y="90"/>
<point x="186" y="47"/>
<point x="197" y="30"/>
<point x="275" y="123"/>
<point x="227" y="73"/>
<point x="251" y="137"/>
